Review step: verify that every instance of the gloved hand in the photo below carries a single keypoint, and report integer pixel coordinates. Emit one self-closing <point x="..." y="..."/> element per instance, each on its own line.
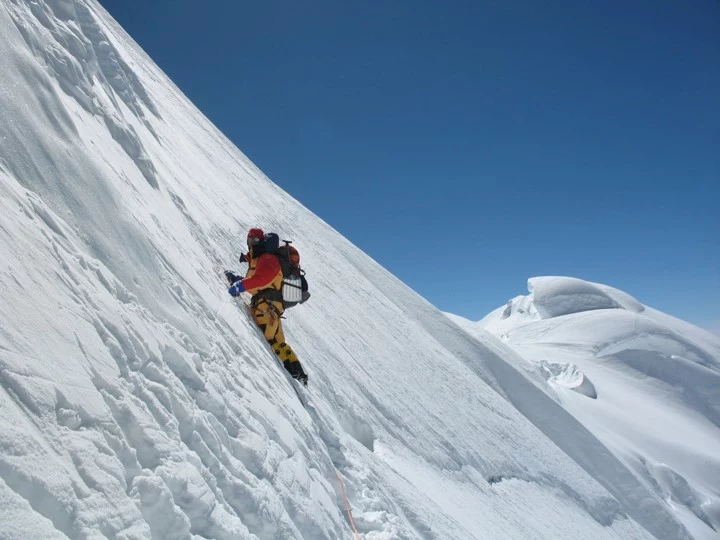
<point x="243" y="258"/>
<point x="236" y="288"/>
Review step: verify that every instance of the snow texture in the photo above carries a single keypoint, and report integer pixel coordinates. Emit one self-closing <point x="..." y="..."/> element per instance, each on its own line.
<point x="556" y="296"/>
<point x="654" y="382"/>
<point x="137" y="400"/>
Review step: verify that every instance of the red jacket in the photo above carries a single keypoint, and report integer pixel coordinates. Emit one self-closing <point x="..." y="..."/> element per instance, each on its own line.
<point x="264" y="272"/>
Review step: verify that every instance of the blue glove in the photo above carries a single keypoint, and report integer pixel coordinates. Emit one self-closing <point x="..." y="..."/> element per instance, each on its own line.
<point x="236" y="288"/>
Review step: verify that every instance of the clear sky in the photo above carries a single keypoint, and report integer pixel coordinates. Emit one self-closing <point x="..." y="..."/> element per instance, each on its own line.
<point x="469" y="145"/>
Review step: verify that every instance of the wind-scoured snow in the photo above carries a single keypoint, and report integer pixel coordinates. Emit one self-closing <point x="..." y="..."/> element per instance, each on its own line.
<point x="653" y="383"/>
<point x="137" y="400"/>
<point x="555" y="296"/>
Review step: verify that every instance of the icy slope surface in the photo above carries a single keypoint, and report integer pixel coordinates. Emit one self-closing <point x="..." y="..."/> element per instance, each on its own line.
<point x="137" y="401"/>
<point x="643" y="382"/>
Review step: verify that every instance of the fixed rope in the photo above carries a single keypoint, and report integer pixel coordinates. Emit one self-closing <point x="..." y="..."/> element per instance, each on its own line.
<point x="347" y="504"/>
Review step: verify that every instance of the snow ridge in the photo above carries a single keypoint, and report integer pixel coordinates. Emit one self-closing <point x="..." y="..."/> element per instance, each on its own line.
<point x="71" y="43"/>
<point x="654" y="383"/>
<point x="556" y="296"/>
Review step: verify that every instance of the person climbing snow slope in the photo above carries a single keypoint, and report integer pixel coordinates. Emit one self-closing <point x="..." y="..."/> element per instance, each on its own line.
<point x="263" y="281"/>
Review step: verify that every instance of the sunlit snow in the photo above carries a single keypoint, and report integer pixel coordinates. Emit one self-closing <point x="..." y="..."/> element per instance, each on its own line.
<point x="137" y="400"/>
<point x="653" y="380"/>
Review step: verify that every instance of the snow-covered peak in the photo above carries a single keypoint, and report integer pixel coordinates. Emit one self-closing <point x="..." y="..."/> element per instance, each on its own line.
<point x="643" y="382"/>
<point x="554" y="296"/>
<point x="557" y="296"/>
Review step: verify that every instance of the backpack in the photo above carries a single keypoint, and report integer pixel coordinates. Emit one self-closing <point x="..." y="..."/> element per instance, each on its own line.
<point x="295" y="286"/>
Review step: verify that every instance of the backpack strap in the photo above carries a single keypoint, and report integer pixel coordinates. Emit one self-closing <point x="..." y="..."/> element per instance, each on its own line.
<point x="273" y="295"/>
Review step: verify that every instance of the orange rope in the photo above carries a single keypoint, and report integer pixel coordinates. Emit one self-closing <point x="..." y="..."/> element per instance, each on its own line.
<point x="347" y="504"/>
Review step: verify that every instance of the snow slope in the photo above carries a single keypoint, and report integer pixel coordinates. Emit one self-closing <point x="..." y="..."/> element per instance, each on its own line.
<point x="644" y="383"/>
<point x="138" y="401"/>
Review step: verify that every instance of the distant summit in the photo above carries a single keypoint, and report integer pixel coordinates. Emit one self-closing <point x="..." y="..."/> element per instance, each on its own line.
<point x="654" y="381"/>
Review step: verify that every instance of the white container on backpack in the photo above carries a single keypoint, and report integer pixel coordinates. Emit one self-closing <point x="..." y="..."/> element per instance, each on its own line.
<point x="292" y="289"/>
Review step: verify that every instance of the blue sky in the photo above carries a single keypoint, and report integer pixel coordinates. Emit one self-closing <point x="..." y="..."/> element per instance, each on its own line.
<point x="469" y="145"/>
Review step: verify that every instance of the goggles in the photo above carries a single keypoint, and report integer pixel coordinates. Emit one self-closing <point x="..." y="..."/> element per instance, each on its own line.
<point x="253" y="241"/>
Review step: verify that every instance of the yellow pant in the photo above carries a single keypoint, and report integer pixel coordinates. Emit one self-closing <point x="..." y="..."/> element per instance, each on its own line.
<point x="267" y="317"/>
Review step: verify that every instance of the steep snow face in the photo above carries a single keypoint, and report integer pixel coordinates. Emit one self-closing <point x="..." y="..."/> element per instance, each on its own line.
<point x="138" y="401"/>
<point x="644" y="383"/>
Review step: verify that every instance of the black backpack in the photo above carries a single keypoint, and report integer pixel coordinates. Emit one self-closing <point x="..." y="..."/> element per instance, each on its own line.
<point x="295" y="286"/>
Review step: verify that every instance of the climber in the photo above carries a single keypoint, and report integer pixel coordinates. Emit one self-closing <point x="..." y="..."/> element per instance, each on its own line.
<point x="263" y="281"/>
